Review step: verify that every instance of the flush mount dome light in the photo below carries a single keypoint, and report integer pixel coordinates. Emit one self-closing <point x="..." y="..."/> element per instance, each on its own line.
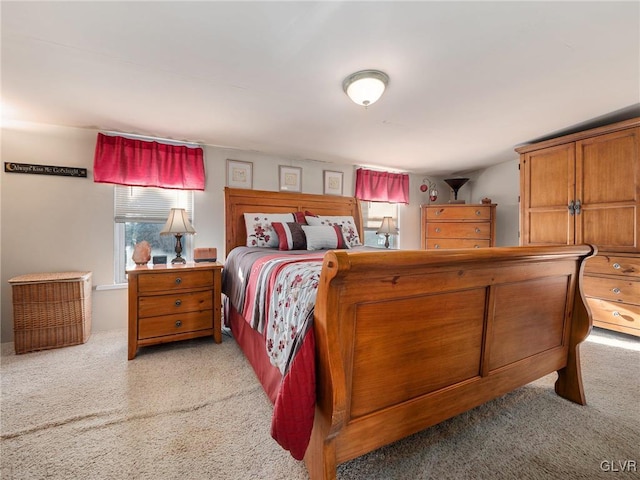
<point x="365" y="87"/>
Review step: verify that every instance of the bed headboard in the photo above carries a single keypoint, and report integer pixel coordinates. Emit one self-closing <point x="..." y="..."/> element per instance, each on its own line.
<point x="240" y="201"/>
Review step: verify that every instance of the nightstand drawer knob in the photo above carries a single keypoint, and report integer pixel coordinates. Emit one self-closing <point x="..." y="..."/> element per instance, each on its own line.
<point x="178" y="302"/>
<point x="478" y="212"/>
<point x="178" y="281"/>
<point x="616" y="314"/>
<point x="616" y="266"/>
<point x="178" y="323"/>
<point x="477" y="230"/>
<point x="437" y="246"/>
<point x="438" y="230"/>
<point x="615" y="290"/>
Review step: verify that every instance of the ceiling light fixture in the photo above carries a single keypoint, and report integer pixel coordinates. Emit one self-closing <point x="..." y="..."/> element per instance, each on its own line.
<point x="366" y="86"/>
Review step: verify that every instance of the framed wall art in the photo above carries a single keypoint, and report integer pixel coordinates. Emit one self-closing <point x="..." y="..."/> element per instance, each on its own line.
<point x="290" y="178"/>
<point x="239" y="174"/>
<point x="332" y="182"/>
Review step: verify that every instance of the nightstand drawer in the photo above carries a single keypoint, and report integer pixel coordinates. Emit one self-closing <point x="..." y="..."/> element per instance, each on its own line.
<point x="152" y="306"/>
<point x="173" y="324"/>
<point x="459" y="230"/>
<point x="168" y="280"/>
<point x="457" y="243"/>
<point x="458" y="212"/>
<point x="613" y="265"/>
<point x="615" y="313"/>
<point x="615" y="289"/>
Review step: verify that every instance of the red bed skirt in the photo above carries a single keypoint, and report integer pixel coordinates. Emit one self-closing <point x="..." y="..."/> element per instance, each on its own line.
<point x="293" y="395"/>
<point x="252" y="343"/>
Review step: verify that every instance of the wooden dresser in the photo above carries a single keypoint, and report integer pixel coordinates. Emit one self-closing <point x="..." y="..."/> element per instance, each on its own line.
<point x="168" y="303"/>
<point x="585" y="188"/>
<point x="458" y="226"/>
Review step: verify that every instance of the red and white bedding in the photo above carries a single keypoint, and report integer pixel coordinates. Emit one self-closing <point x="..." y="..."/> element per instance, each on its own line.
<point x="275" y="293"/>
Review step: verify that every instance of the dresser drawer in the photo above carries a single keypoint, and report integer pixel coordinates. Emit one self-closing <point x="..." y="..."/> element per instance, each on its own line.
<point x="613" y="265"/>
<point x="459" y="230"/>
<point x="619" y="289"/>
<point x="154" y="305"/>
<point x="621" y="314"/>
<point x="471" y="213"/>
<point x="174" y="324"/>
<point x="167" y="280"/>
<point x="457" y="243"/>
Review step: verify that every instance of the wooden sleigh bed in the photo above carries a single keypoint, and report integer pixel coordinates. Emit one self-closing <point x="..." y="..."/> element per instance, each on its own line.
<point x="407" y="339"/>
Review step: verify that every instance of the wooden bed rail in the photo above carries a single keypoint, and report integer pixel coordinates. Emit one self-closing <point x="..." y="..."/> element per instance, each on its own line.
<point x="407" y="339"/>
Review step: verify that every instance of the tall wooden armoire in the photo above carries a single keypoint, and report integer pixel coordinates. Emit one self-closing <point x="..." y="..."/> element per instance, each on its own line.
<point x="585" y="188"/>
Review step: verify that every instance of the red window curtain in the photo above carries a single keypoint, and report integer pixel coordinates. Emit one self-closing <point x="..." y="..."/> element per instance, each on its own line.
<point x="382" y="186"/>
<point x="140" y="163"/>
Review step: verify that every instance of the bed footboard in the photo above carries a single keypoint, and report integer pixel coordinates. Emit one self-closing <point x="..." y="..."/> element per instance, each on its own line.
<point x="407" y="339"/>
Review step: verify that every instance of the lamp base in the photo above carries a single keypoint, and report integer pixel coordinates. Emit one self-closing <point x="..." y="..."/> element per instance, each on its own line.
<point x="457" y="201"/>
<point x="179" y="260"/>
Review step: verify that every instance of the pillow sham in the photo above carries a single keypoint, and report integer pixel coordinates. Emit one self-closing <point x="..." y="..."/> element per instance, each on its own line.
<point x="324" y="237"/>
<point x="260" y="232"/>
<point x="290" y="236"/>
<point x="345" y="222"/>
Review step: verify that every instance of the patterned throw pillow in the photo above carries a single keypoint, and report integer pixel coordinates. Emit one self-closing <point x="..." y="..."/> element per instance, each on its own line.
<point x="290" y="236"/>
<point x="324" y="237"/>
<point x="260" y="231"/>
<point x="346" y="222"/>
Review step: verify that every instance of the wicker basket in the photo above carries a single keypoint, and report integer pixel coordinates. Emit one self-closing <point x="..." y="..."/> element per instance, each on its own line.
<point x="51" y="310"/>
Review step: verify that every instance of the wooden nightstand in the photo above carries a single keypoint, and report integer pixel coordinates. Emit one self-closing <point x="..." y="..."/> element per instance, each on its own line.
<point x="168" y="303"/>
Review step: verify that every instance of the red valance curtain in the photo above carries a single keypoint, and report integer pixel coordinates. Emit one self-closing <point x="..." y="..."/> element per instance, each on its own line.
<point x="377" y="186"/>
<point x="140" y="163"/>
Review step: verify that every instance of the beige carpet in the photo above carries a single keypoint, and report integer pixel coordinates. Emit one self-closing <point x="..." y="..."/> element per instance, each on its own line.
<point x="194" y="410"/>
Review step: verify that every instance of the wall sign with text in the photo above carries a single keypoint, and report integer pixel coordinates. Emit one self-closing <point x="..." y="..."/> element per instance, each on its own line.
<point x="45" y="169"/>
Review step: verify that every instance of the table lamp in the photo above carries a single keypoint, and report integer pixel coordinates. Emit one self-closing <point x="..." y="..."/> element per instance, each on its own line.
<point x="387" y="227"/>
<point x="178" y="224"/>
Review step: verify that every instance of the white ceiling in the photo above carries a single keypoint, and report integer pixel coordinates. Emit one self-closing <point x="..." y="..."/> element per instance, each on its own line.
<point x="468" y="80"/>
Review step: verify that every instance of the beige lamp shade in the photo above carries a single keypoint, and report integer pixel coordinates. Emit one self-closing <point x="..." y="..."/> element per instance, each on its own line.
<point x="387" y="227"/>
<point x="178" y="222"/>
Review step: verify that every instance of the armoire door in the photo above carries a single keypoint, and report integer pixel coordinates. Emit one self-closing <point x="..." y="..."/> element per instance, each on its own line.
<point x="547" y="187"/>
<point x="607" y="179"/>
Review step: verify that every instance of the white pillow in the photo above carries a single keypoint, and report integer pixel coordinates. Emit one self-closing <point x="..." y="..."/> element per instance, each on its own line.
<point x="324" y="237"/>
<point x="260" y="232"/>
<point x="346" y="222"/>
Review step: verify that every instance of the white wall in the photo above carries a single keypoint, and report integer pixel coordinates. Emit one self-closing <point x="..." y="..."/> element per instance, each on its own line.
<point x="501" y="183"/>
<point x="51" y="223"/>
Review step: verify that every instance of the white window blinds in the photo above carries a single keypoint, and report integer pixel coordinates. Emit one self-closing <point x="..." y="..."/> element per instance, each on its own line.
<point x="148" y="204"/>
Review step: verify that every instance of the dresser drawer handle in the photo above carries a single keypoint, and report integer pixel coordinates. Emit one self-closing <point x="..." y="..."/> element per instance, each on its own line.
<point x="616" y="314"/>
<point x="615" y="290"/>
<point x="616" y="266"/>
<point x="178" y="323"/>
<point x="438" y="230"/>
<point x="178" y="302"/>
<point x="478" y="212"/>
<point x="476" y="246"/>
<point x="436" y="246"/>
<point x="477" y="230"/>
<point x="178" y="281"/>
<point x="438" y="212"/>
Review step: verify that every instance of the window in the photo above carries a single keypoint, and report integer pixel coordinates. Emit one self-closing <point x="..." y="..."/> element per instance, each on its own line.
<point x="372" y="214"/>
<point x="140" y="214"/>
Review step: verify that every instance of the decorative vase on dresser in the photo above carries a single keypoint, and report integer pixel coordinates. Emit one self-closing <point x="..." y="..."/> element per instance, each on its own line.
<point x="458" y="226"/>
<point x="585" y="188"/>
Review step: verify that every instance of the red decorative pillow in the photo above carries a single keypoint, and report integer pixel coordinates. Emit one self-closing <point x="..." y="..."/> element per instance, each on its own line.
<point x="290" y="236"/>
<point x="299" y="216"/>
